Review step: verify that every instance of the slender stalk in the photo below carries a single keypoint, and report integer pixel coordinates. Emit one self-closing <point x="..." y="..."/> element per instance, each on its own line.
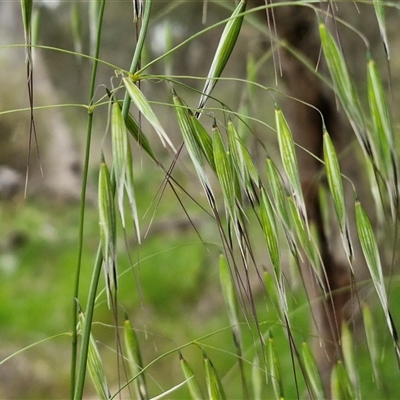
<point x="138" y="53"/>
<point x="88" y="326"/>
<point x="76" y="392"/>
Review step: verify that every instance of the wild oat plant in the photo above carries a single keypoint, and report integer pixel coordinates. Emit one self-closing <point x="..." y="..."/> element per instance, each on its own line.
<point x="307" y="251"/>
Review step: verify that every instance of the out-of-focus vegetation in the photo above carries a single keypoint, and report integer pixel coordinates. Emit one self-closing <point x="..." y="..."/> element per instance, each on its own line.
<point x="220" y="199"/>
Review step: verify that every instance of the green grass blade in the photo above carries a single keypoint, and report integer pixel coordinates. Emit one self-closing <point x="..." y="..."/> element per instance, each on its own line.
<point x="279" y="196"/>
<point x="26" y="8"/>
<point x="139" y="136"/>
<point x="277" y="191"/>
<point x="349" y="356"/>
<point x="381" y="119"/>
<point x="380" y="16"/>
<point x="95" y="364"/>
<point x="372" y="342"/>
<point x="231" y="301"/>
<point x="335" y="183"/>
<point x="300" y="228"/>
<point x="229" y="292"/>
<point x="236" y="150"/>
<point x="245" y="169"/>
<point x="313" y="375"/>
<point x="341" y="387"/>
<point x="275" y="297"/>
<point x="372" y="257"/>
<point x="214" y="385"/>
<point x="225" y="173"/>
<point x="130" y="191"/>
<point x="144" y="107"/>
<point x="107" y="224"/>
<point x="384" y="135"/>
<point x="224" y="50"/>
<point x="194" y="388"/>
<point x="334" y="180"/>
<point x="135" y="360"/>
<point x="344" y="86"/>
<point x="274" y="368"/>
<point x="119" y="144"/>
<point x="94" y="13"/>
<point x="123" y="166"/>
<point x="371" y="252"/>
<point x="256" y="379"/>
<point x="268" y="225"/>
<point x="289" y="159"/>
<point x="142" y="15"/>
<point x="190" y="137"/>
<point x="204" y="140"/>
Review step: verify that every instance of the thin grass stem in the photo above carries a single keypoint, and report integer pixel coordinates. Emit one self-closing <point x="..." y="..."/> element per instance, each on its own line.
<point x="76" y="390"/>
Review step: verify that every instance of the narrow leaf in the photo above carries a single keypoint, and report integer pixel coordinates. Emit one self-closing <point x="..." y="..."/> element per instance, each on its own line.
<point x="380" y="16"/>
<point x="144" y="107"/>
<point x="245" y="169"/>
<point x="349" y="357"/>
<point x="371" y="252"/>
<point x="275" y="297"/>
<point x="256" y="379"/>
<point x="26" y="8"/>
<point x="289" y="159"/>
<point x="303" y="233"/>
<point x="123" y="166"/>
<point x="380" y="117"/>
<point x="344" y="86"/>
<point x="192" y="142"/>
<point x="229" y="292"/>
<point x="335" y="183"/>
<point x="225" y="173"/>
<point x="279" y="196"/>
<point x="313" y="375"/>
<point x="224" y="50"/>
<point x="95" y="364"/>
<point x="94" y="12"/>
<point x="139" y="136"/>
<point x="274" y="368"/>
<point x="194" y="388"/>
<point x="231" y="301"/>
<point x="334" y="180"/>
<point x="204" y="140"/>
<point x="371" y="255"/>
<point x="130" y="191"/>
<point x="341" y="387"/>
<point x="268" y="225"/>
<point x="384" y="135"/>
<point x="135" y="360"/>
<point x="119" y="143"/>
<point x="107" y="225"/>
<point x="214" y="385"/>
<point x="372" y="341"/>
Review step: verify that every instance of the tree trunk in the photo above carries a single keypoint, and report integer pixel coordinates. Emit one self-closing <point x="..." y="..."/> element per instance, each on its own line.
<point x="297" y="26"/>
